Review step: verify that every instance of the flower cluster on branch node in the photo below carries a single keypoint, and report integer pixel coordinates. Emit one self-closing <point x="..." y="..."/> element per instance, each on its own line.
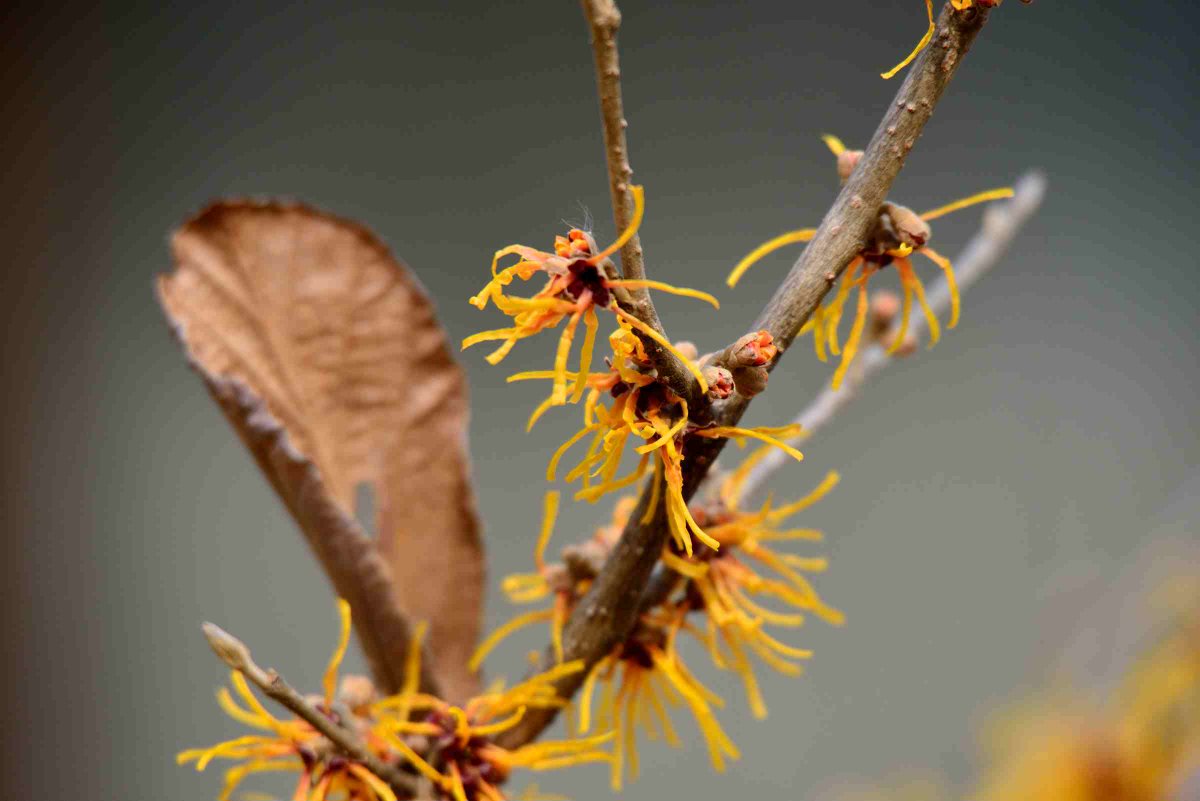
<point x="720" y="595"/>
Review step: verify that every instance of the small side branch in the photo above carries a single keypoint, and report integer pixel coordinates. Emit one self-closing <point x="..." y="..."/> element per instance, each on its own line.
<point x="1001" y="223"/>
<point x="606" y="615"/>
<point x="854" y="212"/>
<point x="234" y="653"/>
<point x="604" y="19"/>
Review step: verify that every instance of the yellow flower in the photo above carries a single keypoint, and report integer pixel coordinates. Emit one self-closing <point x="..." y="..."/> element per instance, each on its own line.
<point x="630" y="365"/>
<point x="900" y="234"/>
<point x="580" y="280"/>
<point x="466" y="764"/>
<point x="644" y="677"/>
<point x="730" y="583"/>
<point x="642" y="408"/>
<point x="1141" y="748"/>
<point x="640" y="681"/>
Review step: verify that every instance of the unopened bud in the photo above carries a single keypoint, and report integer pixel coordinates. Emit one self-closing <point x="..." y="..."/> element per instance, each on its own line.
<point x="883" y="310"/>
<point x="907" y="225"/>
<point x="688" y="349"/>
<point x="356" y="692"/>
<point x="909" y="346"/>
<point x="558" y="578"/>
<point x="583" y="561"/>
<point x="229" y="649"/>
<point x="847" y="160"/>
<point x="752" y="350"/>
<point x="750" y="380"/>
<point x="719" y="380"/>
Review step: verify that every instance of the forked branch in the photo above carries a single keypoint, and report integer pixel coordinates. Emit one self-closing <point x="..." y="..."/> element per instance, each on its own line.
<point x="605" y="616"/>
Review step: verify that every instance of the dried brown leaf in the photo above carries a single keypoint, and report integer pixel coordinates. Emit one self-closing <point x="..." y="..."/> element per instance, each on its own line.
<point x="325" y="354"/>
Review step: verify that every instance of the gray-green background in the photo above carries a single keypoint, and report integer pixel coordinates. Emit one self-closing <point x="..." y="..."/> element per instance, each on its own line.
<point x="994" y="489"/>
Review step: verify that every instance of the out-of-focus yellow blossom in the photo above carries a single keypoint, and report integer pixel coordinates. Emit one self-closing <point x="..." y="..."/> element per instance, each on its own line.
<point x="1141" y="747"/>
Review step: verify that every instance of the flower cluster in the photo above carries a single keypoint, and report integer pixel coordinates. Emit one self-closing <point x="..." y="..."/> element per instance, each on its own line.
<point x="450" y="747"/>
<point x="899" y="233"/>
<point x="643" y="408"/>
<point x="652" y="413"/>
<point x="580" y="279"/>
<point x="716" y="594"/>
<point x="1139" y="742"/>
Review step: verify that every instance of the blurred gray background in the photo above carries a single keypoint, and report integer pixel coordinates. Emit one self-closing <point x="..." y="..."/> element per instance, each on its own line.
<point x="994" y="491"/>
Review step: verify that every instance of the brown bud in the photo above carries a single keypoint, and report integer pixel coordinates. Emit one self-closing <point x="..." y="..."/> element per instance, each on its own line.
<point x="847" y="160"/>
<point x="907" y="226"/>
<point x="688" y="349"/>
<point x="719" y="380"/>
<point x="750" y="380"/>
<point x="558" y="578"/>
<point x="909" y="346"/>
<point x="356" y="692"/>
<point x="883" y="310"/>
<point x="583" y="561"/>
<point x="229" y="649"/>
<point x="752" y="350"/>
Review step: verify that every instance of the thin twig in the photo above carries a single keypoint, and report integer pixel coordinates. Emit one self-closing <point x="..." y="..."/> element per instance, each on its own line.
<point x="234" y="653"/>
<point x="607" y="614"/>
<point x="604" y="19"/>
<point x="1001" y="222"/>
